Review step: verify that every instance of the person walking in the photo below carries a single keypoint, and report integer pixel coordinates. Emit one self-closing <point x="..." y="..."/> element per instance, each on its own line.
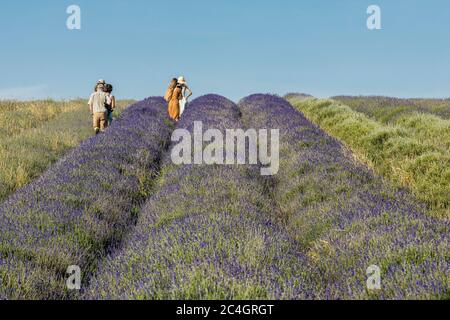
<point x="186" y="93"/>
<point x="97" y="103"/>
<point x="108" y="89"/>
<point x="174" y="103"/>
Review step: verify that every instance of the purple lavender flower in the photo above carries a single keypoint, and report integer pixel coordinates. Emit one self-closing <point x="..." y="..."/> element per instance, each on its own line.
<point x="82" y="206"/>
<point x="208" y="233"/>
<point x="345" y="218"/>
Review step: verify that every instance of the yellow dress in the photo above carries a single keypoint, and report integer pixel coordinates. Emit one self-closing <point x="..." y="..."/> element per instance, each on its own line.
<point x="174" y="104"/>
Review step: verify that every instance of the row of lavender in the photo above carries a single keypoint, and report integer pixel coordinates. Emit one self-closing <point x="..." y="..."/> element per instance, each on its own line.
<point x="81" y="207"/>
<point x="208" y="233"/>
<point x="345" y="219"/>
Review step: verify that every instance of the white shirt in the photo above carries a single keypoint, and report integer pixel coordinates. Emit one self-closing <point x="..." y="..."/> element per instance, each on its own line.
<point x="98" y="100"/>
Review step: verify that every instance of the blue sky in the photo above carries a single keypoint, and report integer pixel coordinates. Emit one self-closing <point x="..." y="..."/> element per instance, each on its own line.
<point x="229" y="47"/>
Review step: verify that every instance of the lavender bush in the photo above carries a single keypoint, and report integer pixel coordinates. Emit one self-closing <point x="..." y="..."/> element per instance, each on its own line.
<point x="208" y="233"/>
<point x="346" y="219"/>
<point x="81" y="207"/>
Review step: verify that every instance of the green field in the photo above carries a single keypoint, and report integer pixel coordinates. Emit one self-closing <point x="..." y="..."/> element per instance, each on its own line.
<point x="387" y="110"/>
<point x="409" y="147"/>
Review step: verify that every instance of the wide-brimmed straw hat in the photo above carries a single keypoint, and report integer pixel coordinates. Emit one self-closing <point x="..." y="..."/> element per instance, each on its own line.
<point x="181" y="80"/>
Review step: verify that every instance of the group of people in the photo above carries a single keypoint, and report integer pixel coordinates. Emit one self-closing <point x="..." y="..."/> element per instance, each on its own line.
<point x="102" y="104"/>
<point x="177" y="95"/>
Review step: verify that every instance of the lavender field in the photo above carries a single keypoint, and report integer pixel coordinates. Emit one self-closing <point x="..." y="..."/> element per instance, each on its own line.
<point x="345" y="219"/>
<point x="82" y="207"/>
<point x="141" y="227"/>
<point x="209" y="233"/>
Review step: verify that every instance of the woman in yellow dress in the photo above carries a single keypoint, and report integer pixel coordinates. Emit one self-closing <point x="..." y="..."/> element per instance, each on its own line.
<point x="174" y="103"/>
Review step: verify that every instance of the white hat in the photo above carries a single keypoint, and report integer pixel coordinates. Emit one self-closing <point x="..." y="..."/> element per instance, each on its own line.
<point x="181" y="80"/>
<point x="101" y="81"/>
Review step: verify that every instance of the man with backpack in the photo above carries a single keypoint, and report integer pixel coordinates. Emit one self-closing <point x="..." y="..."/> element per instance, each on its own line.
<point x="97" y="105"/>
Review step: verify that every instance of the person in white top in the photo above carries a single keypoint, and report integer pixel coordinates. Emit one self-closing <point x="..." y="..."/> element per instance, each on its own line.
<point x="186" y="93"/>
<point x="97" y="103"/>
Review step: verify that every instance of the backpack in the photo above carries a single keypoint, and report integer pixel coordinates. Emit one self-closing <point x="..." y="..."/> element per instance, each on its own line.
<point x="108" y="107"/>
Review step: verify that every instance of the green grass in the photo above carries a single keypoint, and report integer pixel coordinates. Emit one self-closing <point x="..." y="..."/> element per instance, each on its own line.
<point x="16" y="117"/>
<point x="387" y="110"/>
<point x="412" y="152"/>
<point x="35" y="134"/>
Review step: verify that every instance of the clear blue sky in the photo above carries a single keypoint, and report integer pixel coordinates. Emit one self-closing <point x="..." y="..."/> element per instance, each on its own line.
<point x="230" y="47"/>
